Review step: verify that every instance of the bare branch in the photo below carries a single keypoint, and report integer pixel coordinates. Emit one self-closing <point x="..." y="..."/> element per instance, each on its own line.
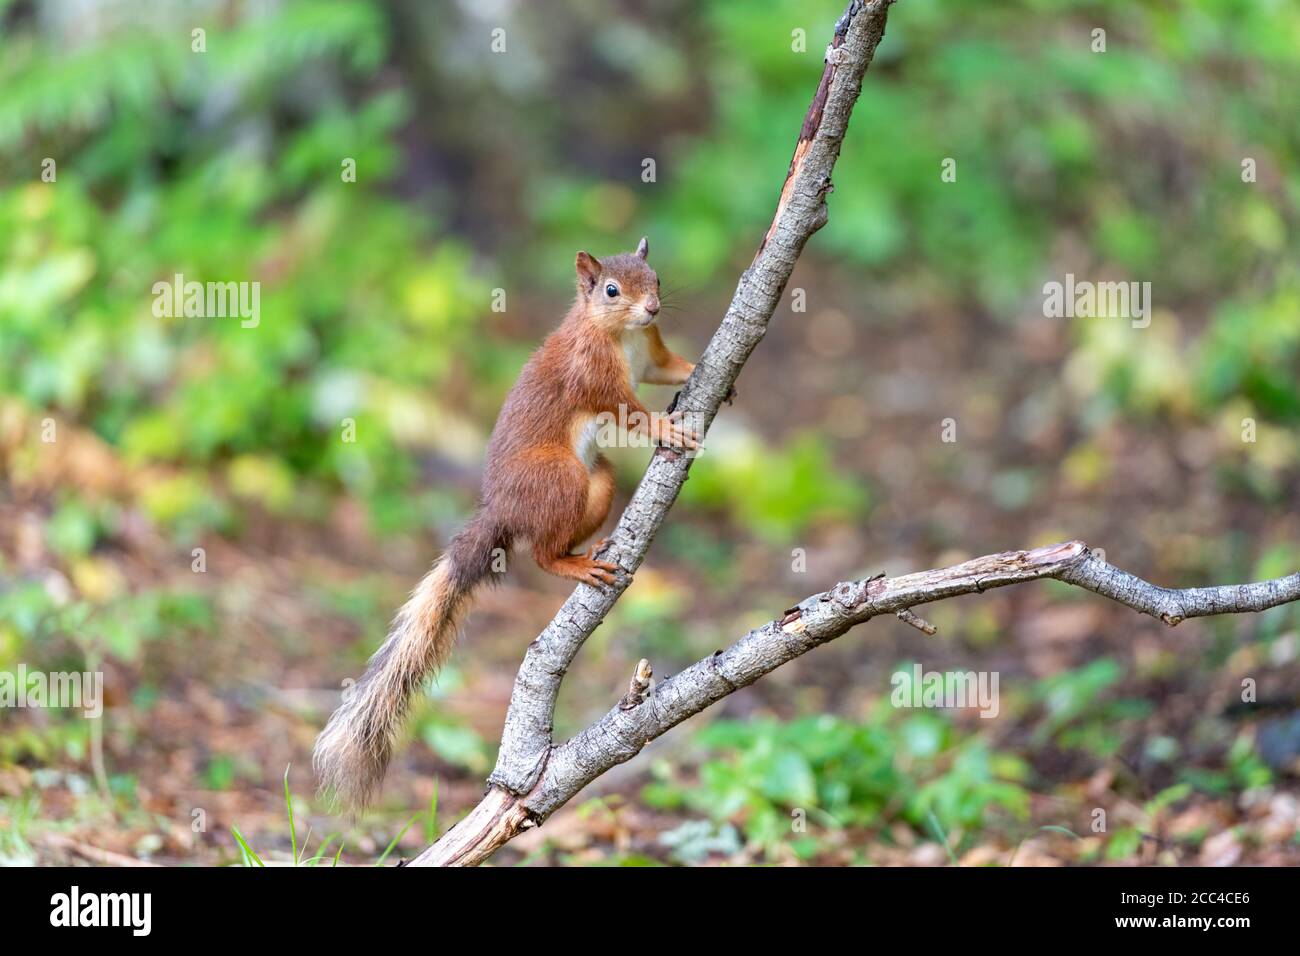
<point x="623" y="732"/>
<point x="526" y="744"/>
<point x="924" y="626"/>
<point x="533" y="777"/>
<point x="620" y="735"/>
<point x="638" y="687"/>
<point x="801" y="211"/>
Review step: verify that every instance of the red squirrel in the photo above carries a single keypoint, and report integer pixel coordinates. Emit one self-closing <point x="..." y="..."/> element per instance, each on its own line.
<point x="544" y="484"/>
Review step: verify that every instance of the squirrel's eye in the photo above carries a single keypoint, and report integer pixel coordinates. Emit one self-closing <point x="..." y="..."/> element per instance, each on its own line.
<point x="611" y="290"/>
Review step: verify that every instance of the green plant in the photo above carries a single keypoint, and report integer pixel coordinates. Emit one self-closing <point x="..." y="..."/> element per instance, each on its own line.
<point x="841" y="774"/>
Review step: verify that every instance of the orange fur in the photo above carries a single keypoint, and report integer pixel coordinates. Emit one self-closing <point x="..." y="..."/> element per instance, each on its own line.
<point x="666" y="368"/>
<point x="541" y="483"/>
<point x="534" y="481"/>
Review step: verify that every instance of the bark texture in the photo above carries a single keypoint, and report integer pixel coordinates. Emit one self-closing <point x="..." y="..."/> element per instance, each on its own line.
<point x="533" y="777"/>
<point x="801" y="211"/>
<point x="526" y="743"/>
<point x="622" y="733"/>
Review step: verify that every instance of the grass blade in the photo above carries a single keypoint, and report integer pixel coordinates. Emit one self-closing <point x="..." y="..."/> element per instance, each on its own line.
<point x="288" y="802"/>
<point x="324" y="847"/>
<point x="245" y="849"/>
<point x="1051" y="828"/>
<point x="431" y="823"/>
<point x="942" y="837"/>
<point x="400" y="833"/>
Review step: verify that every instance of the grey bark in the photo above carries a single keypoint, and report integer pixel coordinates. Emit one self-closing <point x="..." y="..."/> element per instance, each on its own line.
<point x="526" y="740"/>
<point x="532" y="777"/>
<point x="622" y="733"/>
<point x="801" y="211"/>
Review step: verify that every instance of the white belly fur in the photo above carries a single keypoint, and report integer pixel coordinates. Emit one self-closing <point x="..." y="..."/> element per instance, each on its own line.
<point x="584" y="442"/>
<point x="636" y="349"/>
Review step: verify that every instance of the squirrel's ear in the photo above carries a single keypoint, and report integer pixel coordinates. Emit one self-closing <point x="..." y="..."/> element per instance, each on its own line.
<point x="588" y="267"/>
<point x="643" y="247"/>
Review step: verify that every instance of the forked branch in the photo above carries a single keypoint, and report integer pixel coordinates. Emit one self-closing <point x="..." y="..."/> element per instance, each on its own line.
<point x="624" y="731"/>
<point x="533" y="777"/>
<point x="526" y="744"/>
<point x="801" y="211"/>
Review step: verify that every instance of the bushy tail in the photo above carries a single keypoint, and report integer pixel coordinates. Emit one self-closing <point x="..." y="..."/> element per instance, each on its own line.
<point x="353" y="750"/>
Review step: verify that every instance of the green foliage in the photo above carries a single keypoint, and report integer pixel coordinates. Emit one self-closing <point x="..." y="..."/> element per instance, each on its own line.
<point x="457" y="744"/>
<point x="72" y="530"/>
<point x="1078" y="712"/>
<point x="118" y="626"/>
<point x="19" y="813"/>
<point x="374" y="301"/>
<point x="363" y="304"/>
<point x="1243" y="770"/>
<point x="977" y="782"/>
<point x="298" y="854"/>
<point x="1252" y="350"/>
<point x="1045" y="132"/>
<point x="695" y="840"/>
<point x="836" y="773"/>
<point x="370" y="309"/>
<point x="784" y="490"/>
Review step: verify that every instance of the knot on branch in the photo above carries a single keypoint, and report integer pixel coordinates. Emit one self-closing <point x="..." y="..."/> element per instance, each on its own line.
<point x="842" y="24"/>
<point x="638" y="687"/>
<point x="850" y="595"/>
<point x="920" y="623"/>
<point x="847" y="594"/>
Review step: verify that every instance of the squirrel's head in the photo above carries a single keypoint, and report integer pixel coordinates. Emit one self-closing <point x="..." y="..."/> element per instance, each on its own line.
<point x="620" y="292"/>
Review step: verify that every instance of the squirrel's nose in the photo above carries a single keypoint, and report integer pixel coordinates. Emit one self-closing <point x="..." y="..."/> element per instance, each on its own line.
<point x="652" y="305"/>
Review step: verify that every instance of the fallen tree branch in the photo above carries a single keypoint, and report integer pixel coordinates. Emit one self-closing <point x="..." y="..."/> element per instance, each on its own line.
<point x="94" y="854"/>
<point x="620" y="735"/>
<point x="623" y="731"/>
<point x="526" y="741"/>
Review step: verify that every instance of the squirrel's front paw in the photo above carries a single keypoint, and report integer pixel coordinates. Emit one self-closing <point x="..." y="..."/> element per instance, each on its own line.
<point x="597" y="573"/>
<point x="672" y="432"/>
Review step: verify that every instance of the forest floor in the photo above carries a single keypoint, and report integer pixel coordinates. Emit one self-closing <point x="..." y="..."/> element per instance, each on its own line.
<point x="200" y="729"/>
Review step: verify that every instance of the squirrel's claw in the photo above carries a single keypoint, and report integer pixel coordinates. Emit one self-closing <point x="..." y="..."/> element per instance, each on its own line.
<point x="674" y="434"/>
<point x="601" y="572"/>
